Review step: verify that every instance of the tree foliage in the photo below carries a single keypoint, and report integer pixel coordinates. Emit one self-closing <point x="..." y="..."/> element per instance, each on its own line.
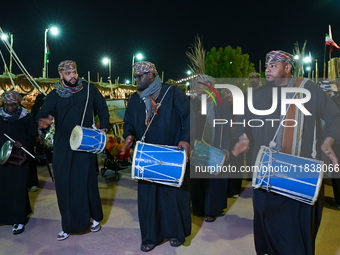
<point x="228" y="63"/>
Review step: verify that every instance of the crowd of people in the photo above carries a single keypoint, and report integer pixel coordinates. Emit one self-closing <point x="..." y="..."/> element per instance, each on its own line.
<point x="162" y="114"/>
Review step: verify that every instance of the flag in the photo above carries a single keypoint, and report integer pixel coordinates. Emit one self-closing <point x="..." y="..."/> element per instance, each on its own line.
<point x="47" y="52"/>
<point x="335" y="45"/>
<point x="332" y="43"/>
<point x="327" y="40"/>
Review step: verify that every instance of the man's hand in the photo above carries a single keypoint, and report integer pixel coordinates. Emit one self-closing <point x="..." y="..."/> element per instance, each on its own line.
<point x="326" y="147"/>
<point x="127" y="144"/>
<point x="45" y="122"/>
<point x="186" y="146"/>
<point x="17" y="144"/>
<point x="227" y="153"/>
<point x="241" y="146"/>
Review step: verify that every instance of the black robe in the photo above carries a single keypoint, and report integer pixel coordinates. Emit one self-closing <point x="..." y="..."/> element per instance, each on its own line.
<point x="336" y="149"/>
<point x="283" y="225"/>
<point x="163" y="211"/>
<point x="14" y="201"/>
<point x="74" y="171"/>
<point x="208" y="196"/>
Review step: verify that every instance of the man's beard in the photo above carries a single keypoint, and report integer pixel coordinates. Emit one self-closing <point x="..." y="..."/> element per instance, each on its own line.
<point x="142" y="87"/>
<point x="70" y="84"/>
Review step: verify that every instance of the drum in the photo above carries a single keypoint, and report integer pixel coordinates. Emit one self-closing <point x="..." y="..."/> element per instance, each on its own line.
<point x="207" y="156"/>
<point x="158" y="163"/>
<point x="87" y="139"/>
<point x="295" y="177"/>
<point x="11" y="154"/>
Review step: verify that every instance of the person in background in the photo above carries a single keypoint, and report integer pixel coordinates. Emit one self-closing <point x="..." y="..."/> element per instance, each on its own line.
<point x="40" y="148"/>
<point x="39" y="100"/>
<point x="19" y="125"/>
<point x="235" y="179"/>
<point x="24" y="101"/>
<point x="208" y="195"/>
<point x="332" y="91"/>
<point x="33" y="181"/>
<point x="255" y="80"/>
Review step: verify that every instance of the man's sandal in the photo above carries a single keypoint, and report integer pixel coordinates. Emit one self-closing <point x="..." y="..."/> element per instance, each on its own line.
<point x="18" y="229"/>
<point x="174" y="242"/>
<point x="209" y="218"/>
<point x="147" y="247"/>
<point x="95" y="228"/>
<point x="62" y="236"/>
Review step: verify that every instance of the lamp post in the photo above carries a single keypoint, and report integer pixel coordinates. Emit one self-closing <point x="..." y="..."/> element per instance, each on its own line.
<point x="108" y="61"/>
<point x="4" y="37"/>
<point x="54" y="30"/>
<point x="139" y="57"/>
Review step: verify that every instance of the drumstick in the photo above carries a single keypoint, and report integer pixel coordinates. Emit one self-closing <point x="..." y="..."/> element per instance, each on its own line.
<point x="20" y="147"/>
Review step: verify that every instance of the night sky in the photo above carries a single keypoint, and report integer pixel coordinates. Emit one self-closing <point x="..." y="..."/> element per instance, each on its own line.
<point x="162" y="31"/>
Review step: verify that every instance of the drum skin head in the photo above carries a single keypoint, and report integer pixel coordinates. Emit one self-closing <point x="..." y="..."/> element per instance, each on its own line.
<point x="155" y="172"/>
<point x="87" y="139"/>
<point x="288" y="175"/>
<point x="76" y="137"/>
<point x="6" y="151"/>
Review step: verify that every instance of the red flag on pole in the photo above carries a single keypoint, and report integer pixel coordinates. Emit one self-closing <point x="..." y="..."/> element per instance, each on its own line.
<point x="332" y="43"/>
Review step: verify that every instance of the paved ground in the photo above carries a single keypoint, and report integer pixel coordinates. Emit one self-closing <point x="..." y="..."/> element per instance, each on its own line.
<point x="229" y="234"/>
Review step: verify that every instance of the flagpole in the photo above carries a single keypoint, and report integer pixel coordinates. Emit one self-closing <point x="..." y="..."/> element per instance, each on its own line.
<point x="330" y="64"/>
<point x="330" y="53"/>
<point x="44" y="69"/>
<point x="316" y="71"/>
<point x="324" y="62"/>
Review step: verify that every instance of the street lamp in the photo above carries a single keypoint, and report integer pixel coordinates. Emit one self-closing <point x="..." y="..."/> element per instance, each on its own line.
<point x="4" y="36"/>
<point x="139" y="57"/>
<point x="189" y="72"/>
<point x="54" y="31"/>
<point x="108" y="61"/>
<point x="308" y="60"/>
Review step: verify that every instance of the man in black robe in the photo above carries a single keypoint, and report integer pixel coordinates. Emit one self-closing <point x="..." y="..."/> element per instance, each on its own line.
<point x="74" y="171"/>
<point x="19" y="125"/>
<point x="209" y="195"/>
<point x="283" y="225"/>
<point x="164" y="211"/>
